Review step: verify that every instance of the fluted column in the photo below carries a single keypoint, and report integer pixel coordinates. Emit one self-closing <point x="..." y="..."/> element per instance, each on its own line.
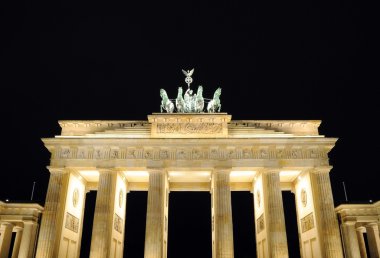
<point x="373" y="240"/>
<point x="222" y="215"/>
<point x="103" y="217"/>
<point x="350" y="239"/>
<point x="16" y="245"/>
<point x="155" y="217"/>
<point x="5" y="239"/>
<point x="362" y="249"/>
<point x="28" y="240"/>
<point x="327" y="223"/>
<point x="52" y="215"/>
<point x="274" y="214"/>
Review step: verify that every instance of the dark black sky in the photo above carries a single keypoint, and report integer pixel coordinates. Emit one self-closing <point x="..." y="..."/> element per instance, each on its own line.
<point x="108" y="60"/>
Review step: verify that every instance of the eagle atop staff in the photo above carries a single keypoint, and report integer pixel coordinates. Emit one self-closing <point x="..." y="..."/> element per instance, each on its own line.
<point x="188" y="73"/>
<point x="188" y="78"/>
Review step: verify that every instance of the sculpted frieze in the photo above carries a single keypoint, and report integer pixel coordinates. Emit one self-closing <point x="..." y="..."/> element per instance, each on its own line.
<point x="191" y="153"/>
<point x="189" y="128"/>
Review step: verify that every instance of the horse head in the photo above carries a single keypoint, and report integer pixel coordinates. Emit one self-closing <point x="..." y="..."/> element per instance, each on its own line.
<point x="163" y="93"/>
<point x="180" y="91"/>
<point x="217" y="93"/>
<point x="200" y="91"/>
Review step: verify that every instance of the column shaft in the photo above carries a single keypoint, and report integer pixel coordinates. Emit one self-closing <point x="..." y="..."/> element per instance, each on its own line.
<point x="223" y="229"/>
<point x="154" y="236"/>
<point x="52" y="216"/>
<point x="5" y="239"/>
<point x="274" y="214"/>
<point x="373" y="240"/>
<point x="350" y="240"/>
<point x="103" y="217"/>
<point x="362" y="249"/>
<point x="16" y="245"/>
<point x="327" y="222"/>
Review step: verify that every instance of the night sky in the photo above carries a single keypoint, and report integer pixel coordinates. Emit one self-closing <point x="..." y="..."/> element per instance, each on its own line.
<point x="108" y="60"/>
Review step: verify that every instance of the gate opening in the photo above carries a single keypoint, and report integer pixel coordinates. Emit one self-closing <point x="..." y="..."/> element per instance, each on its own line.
<point x="189" y="225"/>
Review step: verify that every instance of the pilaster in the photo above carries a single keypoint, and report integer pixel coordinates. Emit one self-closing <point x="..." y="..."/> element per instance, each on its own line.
<point x="350" y="239"/>
<point x="373" y="240"/>
<point x="5" y="238"/>
<point x="109" y="218"/>
<point x="274" y="214"/>
<point x="156" y="222"/>
<point x="362" y="248"/>
<point x="327" y="223"/>
<point x="52" y="216"/>
<point x="16" y="245"/>
<point x="29" y="237"/>
<point x="222" y="229"/>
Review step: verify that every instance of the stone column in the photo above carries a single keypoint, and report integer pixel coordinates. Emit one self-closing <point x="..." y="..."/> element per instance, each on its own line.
<point x="373" y="240"/>
<point x="222" y="214"/>
<point x="103" y="217"/>
<point x="52" y="216"/>
<point x="327" y="223"/>
<point x="350" y="239"/>
<point x="5" y="239"/>
<point x="155" y="217"/>
<point x="28" y="240"/>
<point x="16" y="245"/>
<point x="362" y="249"/>
<point x="274" y="214"/>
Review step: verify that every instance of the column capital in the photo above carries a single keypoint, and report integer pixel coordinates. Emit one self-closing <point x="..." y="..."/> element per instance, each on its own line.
<point x="321" y="170"/>
<point x="269" y="170"/>
<point x="155" y="170"/>
<point x="349" y="221"/>
<point x="29" y="222"/>
<point x="6" y="224"/>
<point x="361" y="229"/>
<point x="57" y="170"/>
<point x="222" y="169"/>
<point x="17" y="229"/>
<point x="372" y="225"/>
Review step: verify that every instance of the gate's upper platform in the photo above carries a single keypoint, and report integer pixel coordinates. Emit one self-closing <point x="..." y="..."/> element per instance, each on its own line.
<point x="189" y="125"/>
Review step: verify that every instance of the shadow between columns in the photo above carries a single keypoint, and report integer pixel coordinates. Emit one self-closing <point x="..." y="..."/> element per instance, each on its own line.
<point x="243" y="224"/>
<point x="189" y="225"/>
<point x="291" y="224"/>
<point x="134" y="238"/>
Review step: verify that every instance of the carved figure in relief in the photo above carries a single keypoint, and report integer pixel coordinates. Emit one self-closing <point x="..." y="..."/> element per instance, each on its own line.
<point x="180" y="102"/>
<point x="166" y="103"/>
<point x="214" y="105"/>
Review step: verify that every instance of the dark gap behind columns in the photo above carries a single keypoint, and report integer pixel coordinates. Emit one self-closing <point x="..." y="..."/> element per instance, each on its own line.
<point x="89" y="210"/>
<point x="134" y="239"/>
<point x="243" y="223"/>
<point x="291" y="224"/>
<point x="189" y="225"/>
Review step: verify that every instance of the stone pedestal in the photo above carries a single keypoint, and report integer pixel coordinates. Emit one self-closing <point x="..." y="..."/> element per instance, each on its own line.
<point x="327" y="223"/>
<point x="373" y="240"/>
<point x="223" y="244"/>
<point x="52" y="217"/>
<point x="16" y="245"/>
<point x="5" y="239"/>
<point x="274" y="215"/>
<point x="362" y="249"/>
<point x="155" y="217"/>
<point x="103" y="217"/>
<point x="350" y="239"/>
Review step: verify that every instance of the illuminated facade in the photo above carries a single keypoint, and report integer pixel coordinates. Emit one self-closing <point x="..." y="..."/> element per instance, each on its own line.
<point x="22" y="220"/>
<point x="189" y="152"/>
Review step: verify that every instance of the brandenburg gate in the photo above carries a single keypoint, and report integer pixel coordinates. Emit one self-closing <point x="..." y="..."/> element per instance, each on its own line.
<point x="189" y="151"/>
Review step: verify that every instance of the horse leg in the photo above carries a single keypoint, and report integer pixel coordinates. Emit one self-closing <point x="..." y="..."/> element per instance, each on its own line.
<point x="220" y="106"/>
